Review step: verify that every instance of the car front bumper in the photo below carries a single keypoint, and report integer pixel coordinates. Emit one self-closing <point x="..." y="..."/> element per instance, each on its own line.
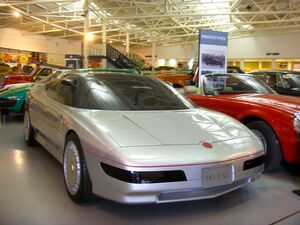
<point x="6" y="102"/>
<point x="191" y="189"/>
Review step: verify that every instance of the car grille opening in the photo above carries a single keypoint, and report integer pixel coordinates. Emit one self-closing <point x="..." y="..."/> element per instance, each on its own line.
<point x="147" y="177"/>
<point x="200" y="192"/>
<point x="251" y="163"/>
<point x="6" y="102"/>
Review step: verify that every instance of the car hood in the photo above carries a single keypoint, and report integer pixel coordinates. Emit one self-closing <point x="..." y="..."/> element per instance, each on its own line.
<point x="174" y="155"/>
<point x="15" y="88"/>
<point x="18" y="86"/>
<point x="180" y="127"/>
<point x="288" y="103"/>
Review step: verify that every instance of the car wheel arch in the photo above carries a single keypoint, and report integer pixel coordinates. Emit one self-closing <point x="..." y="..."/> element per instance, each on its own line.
<point x="71" y="131"/>
<point x="250" y="119"/>
<point x="247" y="119"/>
<point x="68" y="133"/>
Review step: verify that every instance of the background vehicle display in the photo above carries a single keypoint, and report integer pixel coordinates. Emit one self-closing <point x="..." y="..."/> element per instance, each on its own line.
<point x="4" y="68"/>
<point x="36" y="74"/>
<point x="177" y="79"/>
<point x="234" y="69"/>
<point x="116" y="136"/>
<point x="282" y="81"/>
<point x="15" y="95"/>
<point x="256" y="105"/>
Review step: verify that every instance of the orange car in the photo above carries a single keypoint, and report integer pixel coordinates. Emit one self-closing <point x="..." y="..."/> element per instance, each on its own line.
<point x="177" y="79"/>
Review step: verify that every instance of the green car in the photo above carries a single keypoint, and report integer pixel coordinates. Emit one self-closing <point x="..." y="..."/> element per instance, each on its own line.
<point x="13" y="97"/>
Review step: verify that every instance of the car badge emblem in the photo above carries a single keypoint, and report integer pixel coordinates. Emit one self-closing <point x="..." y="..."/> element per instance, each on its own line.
<point x="207" y="145"/>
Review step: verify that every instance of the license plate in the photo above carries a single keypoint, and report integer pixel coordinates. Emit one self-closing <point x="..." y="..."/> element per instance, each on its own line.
<point x="216" y="176"/>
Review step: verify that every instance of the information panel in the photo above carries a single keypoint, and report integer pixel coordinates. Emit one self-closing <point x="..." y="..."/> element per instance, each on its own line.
<point x="212" y="52"/>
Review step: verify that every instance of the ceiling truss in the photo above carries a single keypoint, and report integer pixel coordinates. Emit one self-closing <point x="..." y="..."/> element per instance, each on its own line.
<point x="163" y="21"/>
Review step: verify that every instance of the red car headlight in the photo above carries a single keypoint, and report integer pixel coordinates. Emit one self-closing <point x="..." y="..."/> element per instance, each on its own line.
<point x="297" y="122"/>
<point x="297" y="125"/>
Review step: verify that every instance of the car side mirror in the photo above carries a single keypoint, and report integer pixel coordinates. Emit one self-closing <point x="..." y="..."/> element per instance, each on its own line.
<point x="70" y="83"/>
<point x="190" y="89"/>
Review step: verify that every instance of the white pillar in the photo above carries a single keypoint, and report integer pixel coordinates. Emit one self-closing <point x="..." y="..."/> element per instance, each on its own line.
<point x="104" y="61"/>
<point x="86" y="30"/>
<point x="153" y="51"/>
<point x="273" y="65"/>
<point x="260" y="65"/>
<point x="290" y="67"/>
<point x="127" y="42"/>
<point x="242" y="64"/>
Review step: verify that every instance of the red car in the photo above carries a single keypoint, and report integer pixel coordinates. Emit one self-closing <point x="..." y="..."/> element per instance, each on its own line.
<point x="275" y="119"/>
<point x="36" y="73"/>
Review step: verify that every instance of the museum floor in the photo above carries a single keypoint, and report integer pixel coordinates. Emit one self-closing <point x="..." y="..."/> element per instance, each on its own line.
<point x="33" y="193"/>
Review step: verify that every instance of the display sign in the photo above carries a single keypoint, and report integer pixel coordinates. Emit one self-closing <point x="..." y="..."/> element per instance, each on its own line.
<point x="212" y="52"/>
<point x="72" y="56"/>
<point x="13" y="58"/>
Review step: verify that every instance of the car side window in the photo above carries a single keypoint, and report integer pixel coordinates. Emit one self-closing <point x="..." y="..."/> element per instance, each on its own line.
<point x="64" y="91"/>
<point x="261" y="76"/>
<point x="94" y="95"/>
<point x="279" y="81"/>
<point x="45" y="72"/>
<point x="268" y="78"/>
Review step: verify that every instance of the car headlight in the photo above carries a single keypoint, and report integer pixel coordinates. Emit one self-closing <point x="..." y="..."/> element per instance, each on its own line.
<point x="297" y="122"/>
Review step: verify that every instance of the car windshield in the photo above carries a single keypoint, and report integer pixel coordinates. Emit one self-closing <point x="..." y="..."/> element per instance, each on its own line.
<point x="219" y="84"/>
<point x="131" y="92"/>
<point x="291" y="80"/>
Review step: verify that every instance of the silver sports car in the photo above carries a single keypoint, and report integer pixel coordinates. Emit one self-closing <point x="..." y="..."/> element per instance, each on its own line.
<point x="134" y="139"/>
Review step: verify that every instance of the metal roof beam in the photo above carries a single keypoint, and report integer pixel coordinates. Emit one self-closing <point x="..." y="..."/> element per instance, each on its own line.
<point x="204" y="14"/>
<point x="18" y="3"/>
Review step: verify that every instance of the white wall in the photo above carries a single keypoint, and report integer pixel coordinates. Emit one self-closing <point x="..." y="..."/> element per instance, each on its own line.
<point x="56" y="59"/>
<point x="256" y="47"/>
<point x="185" y="51"/>
<point x="248" y="47"/>
<point x="16" y="39"/>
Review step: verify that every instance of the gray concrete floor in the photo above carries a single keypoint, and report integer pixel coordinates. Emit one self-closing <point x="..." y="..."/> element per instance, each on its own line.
<point x="32" y="193"/>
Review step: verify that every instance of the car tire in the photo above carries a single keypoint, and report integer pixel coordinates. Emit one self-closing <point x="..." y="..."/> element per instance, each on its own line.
<point x="29" y="131"/>
<point x="76" y="176"/>
<point x="266" y="134"/>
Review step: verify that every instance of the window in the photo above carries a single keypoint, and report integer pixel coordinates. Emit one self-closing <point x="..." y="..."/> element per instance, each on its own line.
<point x="63" y="91"/>
<point x="129" y="92"/>
<point x="291" y="80"/>
<point x="44" y="72"/>
<point x="229" y="84"/>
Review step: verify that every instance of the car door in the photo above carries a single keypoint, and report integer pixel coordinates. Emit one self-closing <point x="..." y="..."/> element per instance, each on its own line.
<point x="60" y="97"/>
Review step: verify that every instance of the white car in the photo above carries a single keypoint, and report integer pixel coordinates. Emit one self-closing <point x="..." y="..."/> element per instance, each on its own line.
<point x="134" y="139"/>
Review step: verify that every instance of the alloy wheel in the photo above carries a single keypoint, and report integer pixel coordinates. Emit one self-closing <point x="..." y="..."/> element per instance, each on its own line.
<point x="262" y="138"/>
<point x="72" y="167"/>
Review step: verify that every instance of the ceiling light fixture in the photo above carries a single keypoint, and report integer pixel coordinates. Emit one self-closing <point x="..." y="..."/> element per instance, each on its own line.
<point x="89" y="36"/>
<point x="16" y="14"/>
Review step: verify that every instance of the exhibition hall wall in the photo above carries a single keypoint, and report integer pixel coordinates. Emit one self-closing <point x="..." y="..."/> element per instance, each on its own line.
<point x="252" y="50"/>
<point x="243" y="48"/>
<point x="16" y="39"/>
